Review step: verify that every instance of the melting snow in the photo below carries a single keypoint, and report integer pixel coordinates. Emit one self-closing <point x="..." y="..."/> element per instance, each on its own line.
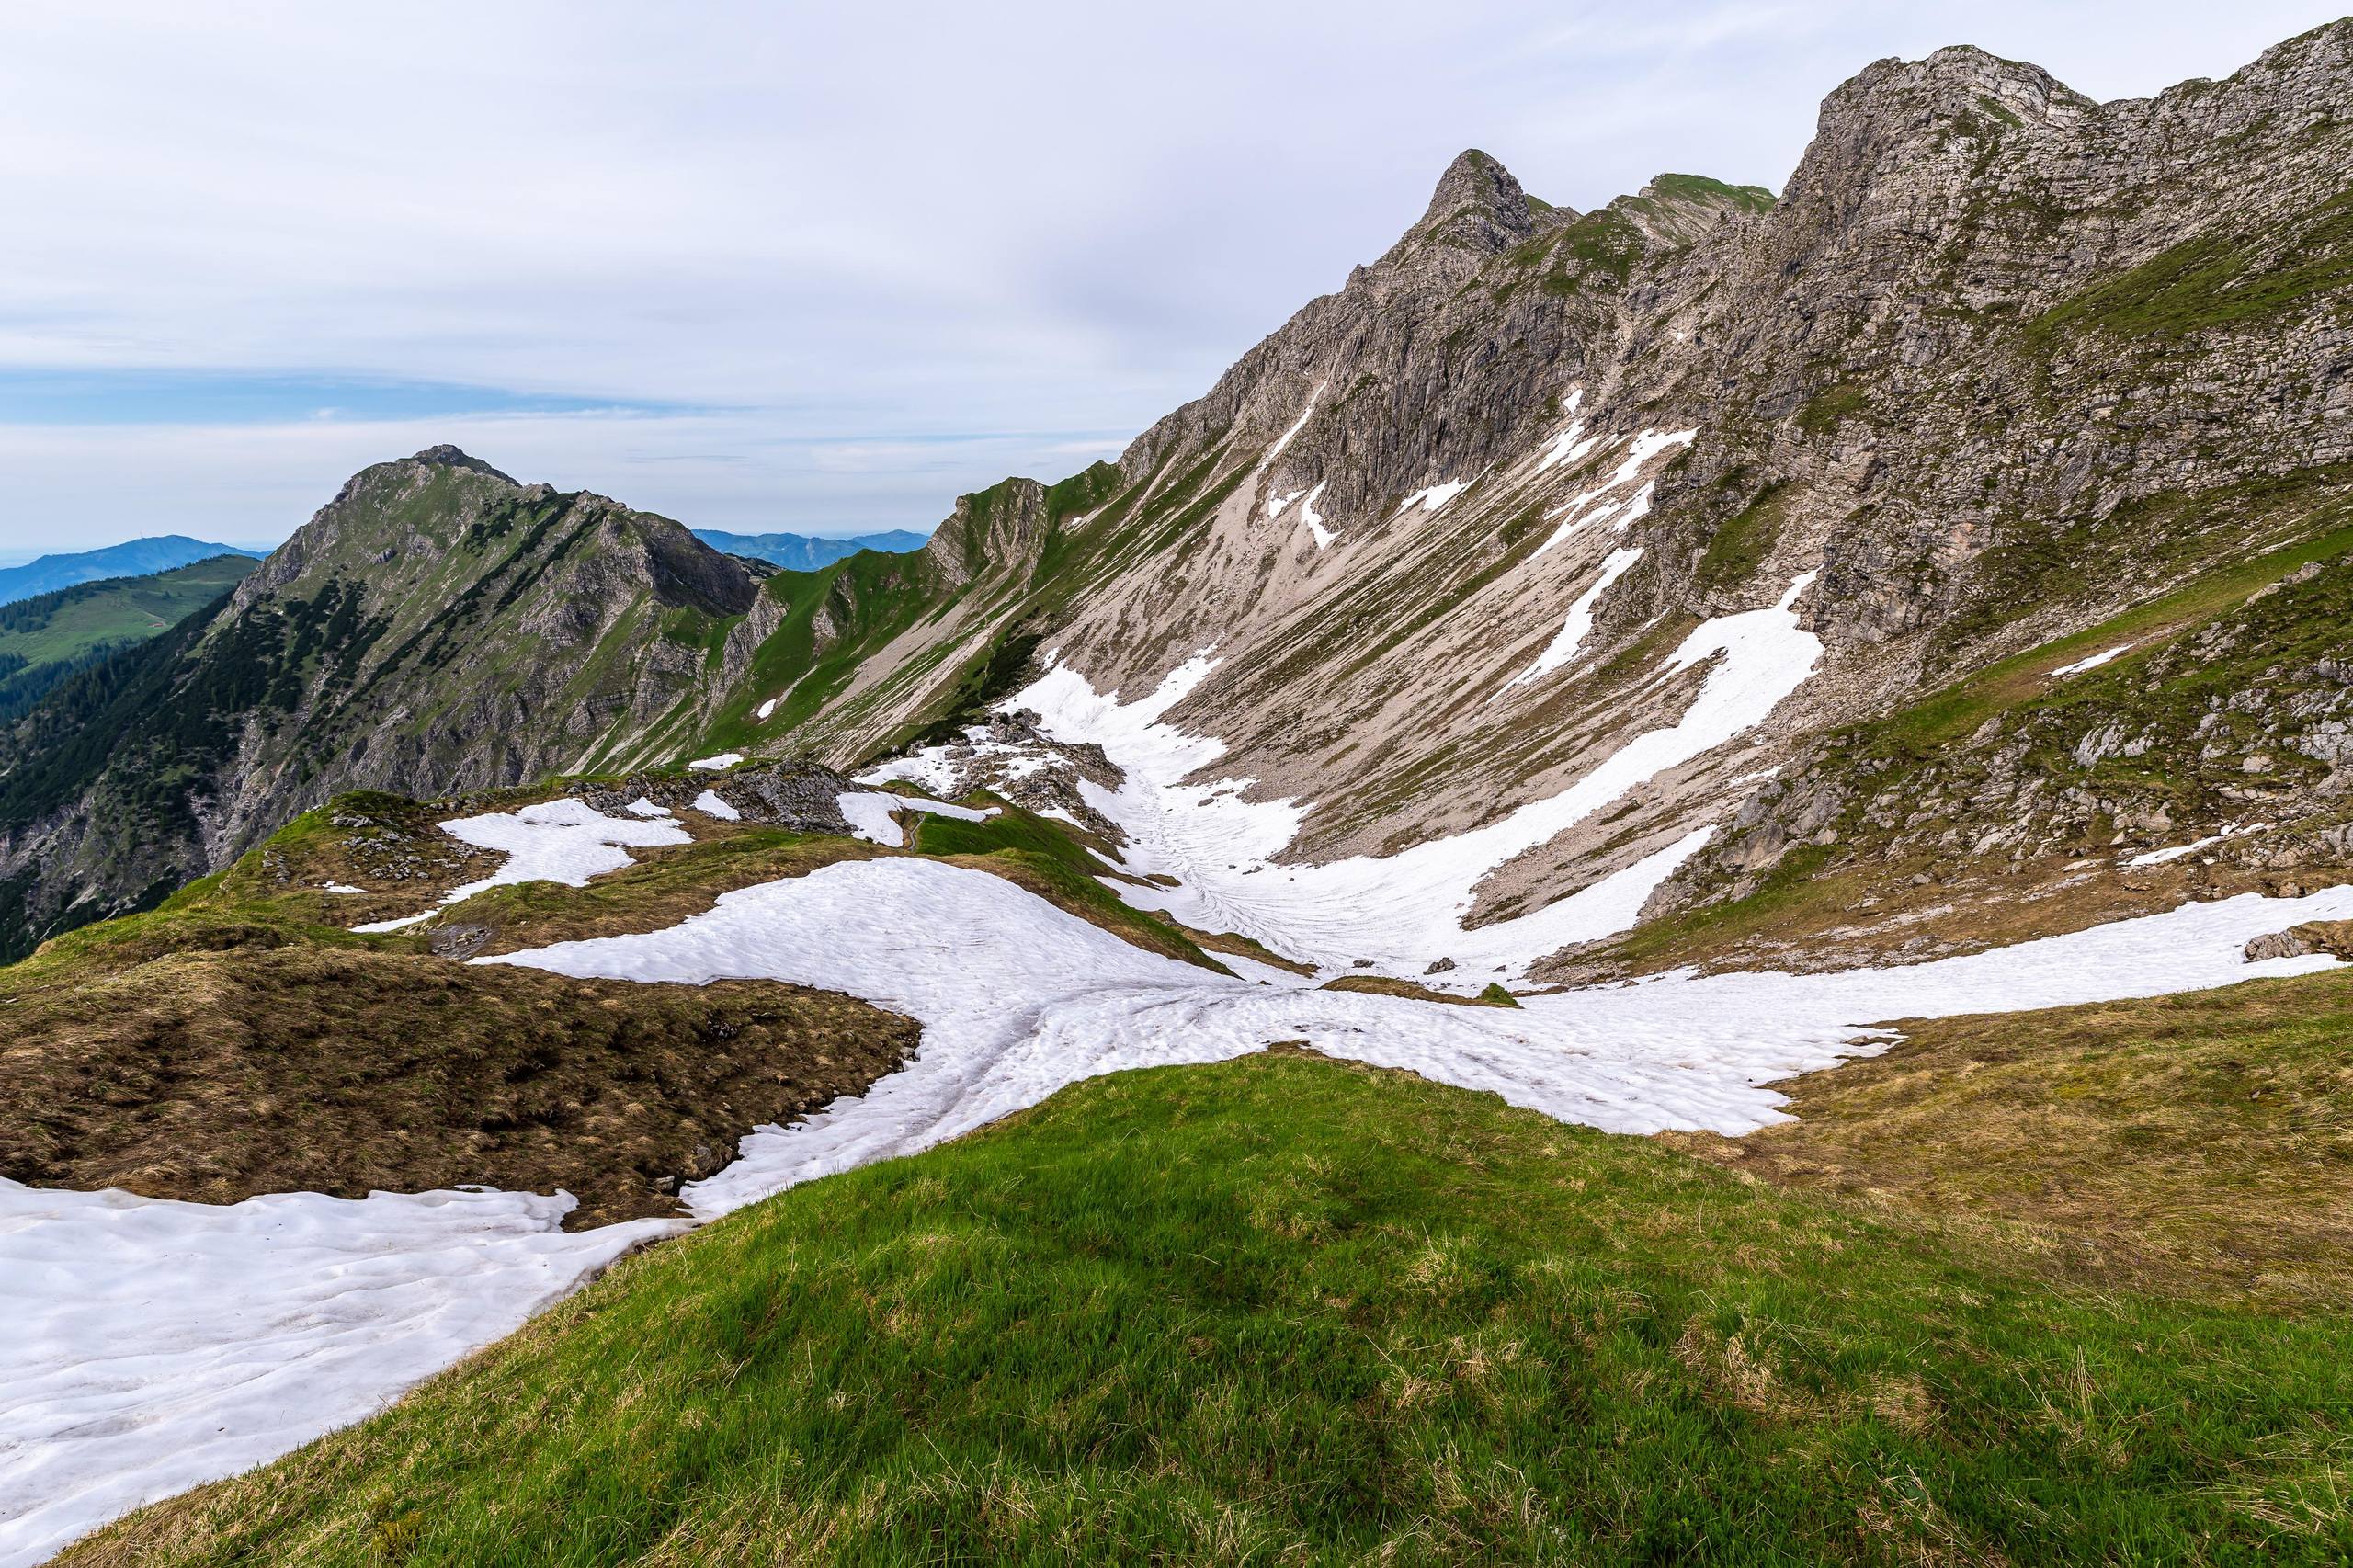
<point x="768" y="706"/>
<point x="715" y="764"/>
<point x="1437" y="495"/>
<point x="1403" y="910"/>
<point x="2094" y="662"/>
<point x="869" y="814"/>
<point x="645" y="808"/>
<point x="2160" y="857"/>
<point x="565" y="841"/>
<point x="1314" y="519"/>
<point x="1019" y="999"/>
<point x="341" y="887"/>
<point x="153" y="1347"/>
<point x="1285" y="439"/>
<point x="1634" y="510"/>
<point x="711" y="805"/>
<point x="1580" y="622"/>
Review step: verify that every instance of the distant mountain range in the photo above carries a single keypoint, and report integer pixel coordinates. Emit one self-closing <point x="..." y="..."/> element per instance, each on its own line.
<point x="806" y="552"/>
<point x="135" y="558"/>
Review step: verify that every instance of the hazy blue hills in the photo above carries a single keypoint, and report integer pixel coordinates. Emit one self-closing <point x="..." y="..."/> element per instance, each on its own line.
<point x="806" y="552"/>
<point x="135" y="558"/>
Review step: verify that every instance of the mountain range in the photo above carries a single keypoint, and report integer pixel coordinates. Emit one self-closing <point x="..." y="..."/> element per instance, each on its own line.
<point x="1968" y="397"/>
<point x="806" y="552"/>
<point x="1669" y="884"/>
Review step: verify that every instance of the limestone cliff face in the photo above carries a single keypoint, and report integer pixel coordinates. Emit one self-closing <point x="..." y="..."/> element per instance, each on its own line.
<point x="1998" y="365"/>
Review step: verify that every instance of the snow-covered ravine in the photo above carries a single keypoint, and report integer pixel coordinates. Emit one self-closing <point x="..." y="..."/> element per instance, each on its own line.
<point x="1404" y="912"/>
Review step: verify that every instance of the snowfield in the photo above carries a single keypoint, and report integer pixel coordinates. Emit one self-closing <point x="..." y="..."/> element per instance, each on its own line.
<point x="156" y="1345"/>
<point x="1401" y="912"/>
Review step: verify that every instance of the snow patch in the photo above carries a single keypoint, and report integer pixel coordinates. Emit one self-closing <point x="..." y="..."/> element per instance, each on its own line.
<point x="768" y="706"/>
<point x="565" y="841"/>
<point x="1431" y="498"/>
<point x="715" y="764"/>
<point x="645" y="808"/>
<point x="869" y="814"/>
<point x="2094" y="662"/>
<point x="2180" y="851"/>
<point x="1573" y="631"/>
<point x="711" y="805"/>
<point x="341" y="887"/>
<point x="1314" y="519"/>
<point x="155" y="1346"/>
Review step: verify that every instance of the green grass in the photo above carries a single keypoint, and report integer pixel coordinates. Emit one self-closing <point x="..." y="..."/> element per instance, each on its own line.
<point x="116" y="609"/>
<point x="2216" y="281"/>
<point x="1700" y="188"/>
<point x="1961" y="707"/>
<point x="1832" y="406"/>
<point x="1281" y="1310"/>
<point x="1741" y="545"/>
<point x="45" y="639"/>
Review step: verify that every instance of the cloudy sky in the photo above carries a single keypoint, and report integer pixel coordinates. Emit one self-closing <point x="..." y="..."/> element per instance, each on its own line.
<point x="802" y="266"/>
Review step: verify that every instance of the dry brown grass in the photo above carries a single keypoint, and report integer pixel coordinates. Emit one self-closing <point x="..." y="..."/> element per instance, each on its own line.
<point x="2199" y="1144"/>
<point x="216" y="1076"/>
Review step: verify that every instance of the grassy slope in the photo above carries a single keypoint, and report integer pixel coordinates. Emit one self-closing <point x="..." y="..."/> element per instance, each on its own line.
<point x="1288" y="1309"/>
<point x="118" y="610"/>
<point x="2199" y="1144"/>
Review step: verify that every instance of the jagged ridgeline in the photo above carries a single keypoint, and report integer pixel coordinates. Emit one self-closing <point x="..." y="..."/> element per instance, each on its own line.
<point x="2004" y="377"/>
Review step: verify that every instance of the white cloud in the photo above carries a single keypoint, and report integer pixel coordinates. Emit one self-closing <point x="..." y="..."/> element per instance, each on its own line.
<point x="936" y="220"/>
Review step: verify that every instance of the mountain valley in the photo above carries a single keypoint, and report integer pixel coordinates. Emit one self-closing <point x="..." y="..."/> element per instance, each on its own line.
<point x="1666" y="885"/>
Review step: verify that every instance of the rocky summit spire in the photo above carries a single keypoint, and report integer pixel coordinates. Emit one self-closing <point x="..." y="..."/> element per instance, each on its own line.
<point x="1478" y="205"/>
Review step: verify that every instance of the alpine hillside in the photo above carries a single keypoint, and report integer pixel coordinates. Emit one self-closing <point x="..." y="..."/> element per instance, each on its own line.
<point x="2004" y="380"/>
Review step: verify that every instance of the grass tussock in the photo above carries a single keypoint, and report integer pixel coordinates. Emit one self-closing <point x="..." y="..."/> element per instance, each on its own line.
<point x="1282" y="1309"/>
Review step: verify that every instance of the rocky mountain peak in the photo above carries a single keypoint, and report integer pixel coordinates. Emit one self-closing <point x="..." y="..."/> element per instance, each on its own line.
<point x="447" y="456"/>
<point x="1479" y="206"/>
<point x="997" y="526"/>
